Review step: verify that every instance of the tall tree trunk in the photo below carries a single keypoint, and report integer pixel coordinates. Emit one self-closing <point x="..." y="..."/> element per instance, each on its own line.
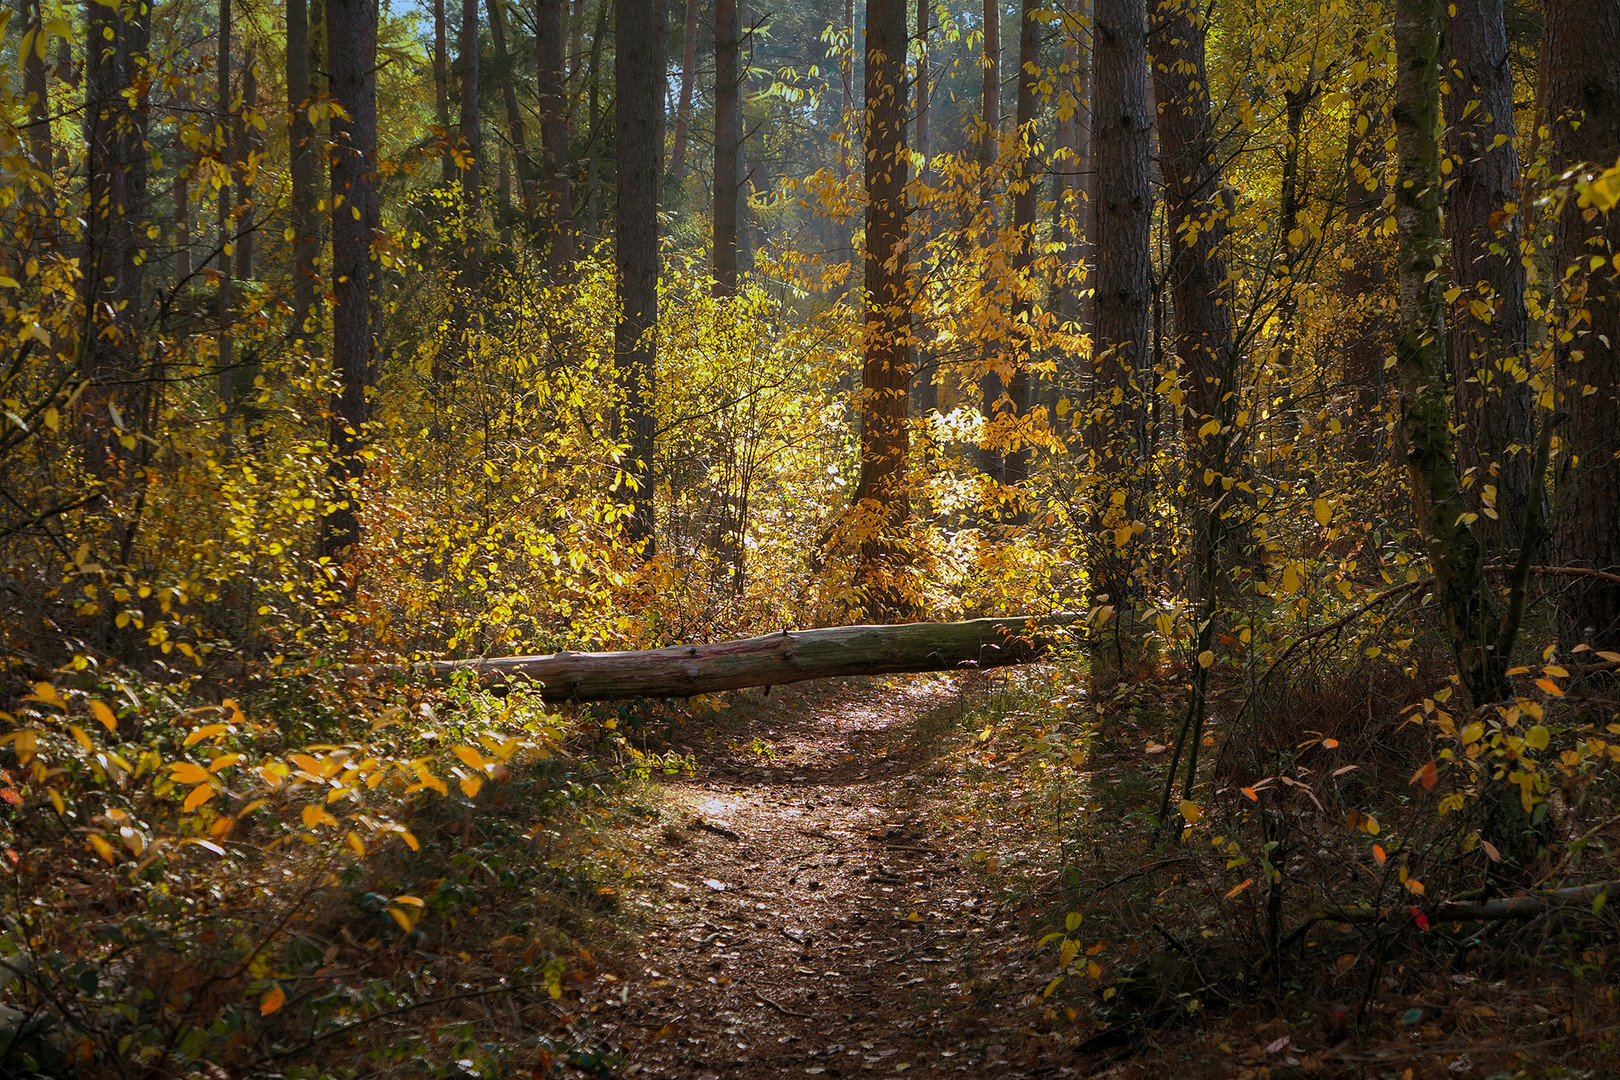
<point x="1071" y="212"/>
<point x="116" y="171"/>
<point x="224" y="126"/>
<point x="552" y="91"/>
<point x="1023" y="332"/>
<point x="1364" y="281"/>
<point x="505" y="64"/>
<point x="36" y="88"/>
<point x="846" y="247"/>
<point x="441" y="92"/>
<point x="182" y="221"/>
<point x="683" y="111"/>
<point x="1420" y="353"/>
<point x="1195" y="221"/>
<point x="881" y="496"/>
<point x="987" y="147"/>
<point x="1583" y="111"/>
<point x="301" y="151"/>
<point x="472" y="140"/>
<point x="924" y="386"/>
<point x="727" y="144"/>
<point x="639" y="153"/>
<point x="351" y="43"/>
<point x="1492" y="397"/>
<point x="593" y="106"/>
<point x="1121" y="153"/>
<point x="246" y="146"/>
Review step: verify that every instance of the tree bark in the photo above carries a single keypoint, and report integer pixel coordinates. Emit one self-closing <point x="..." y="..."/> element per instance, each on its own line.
<point x="551" y="88"/>
<point x="441" y="91"/>
<point x="472" y="142"/>
<point x="727" y="144"/>
<point x="225" y="126"/>
<point x="1583" y="111"/>
<point x="987" y="143"/>
<point x="36" y="87"/>
<point x="1023" y="332"/>
<point x="1420" y="353"/>
<point x="246" y="146"/>
<point x="351" y="43"/>
<point x="1493" y="400"/>
<point x="683" y="110"/>
<point x="505" y="64"/>
<point x="1116" y="439"/>
<point x="639" y="148"/>
<point x="301" y="151"/>
<point x="775" y="660"/>
<point x="1195" y="213"/>
<point x="881" y="498"/>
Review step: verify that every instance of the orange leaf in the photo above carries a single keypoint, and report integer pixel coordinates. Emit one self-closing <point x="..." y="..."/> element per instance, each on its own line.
<point x="1379" y="854"/>
<point x="101" y="712"/>
<point x="1330" y="743"/>
<point x="1550" y="686"/>
<point x="1428" y="776"/>
<point x="199" y="795"/>
<point x="275" y="999"/>
<point x="189" y="772"/>
<point x="1239" y="887"/>
<point x="1252" y="794"/>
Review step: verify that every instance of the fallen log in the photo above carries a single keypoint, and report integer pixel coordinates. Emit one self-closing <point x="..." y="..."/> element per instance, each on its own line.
<point x="774" y="660"/>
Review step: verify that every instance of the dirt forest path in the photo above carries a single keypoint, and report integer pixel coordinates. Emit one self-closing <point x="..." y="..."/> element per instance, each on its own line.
<point x="807" y="920"/>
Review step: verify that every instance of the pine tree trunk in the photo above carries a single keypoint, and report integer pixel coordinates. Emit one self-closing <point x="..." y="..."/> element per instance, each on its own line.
<point x="727" y="144"/>
<point x="1492" y="400"/>
<point x="441" y="91"/>
<point x="683" y="111"/>
<point x="552" y="91"/>
<point x="1195" y="221"/>
<point x="1420" y="355"/>
<point x="301" y="144"/>
<point x="881" y="496"/>
<point x="1583" y="111"/>
<point x="1023" y="332"/>
<point x="639" y="151"/>
<point x="1116" y="440"/>
<point x="351" y="43"/>
<point x="505" y="64"/>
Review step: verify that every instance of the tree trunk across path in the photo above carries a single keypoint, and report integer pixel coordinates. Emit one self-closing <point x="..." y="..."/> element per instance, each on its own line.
<point x="775" y="660"/>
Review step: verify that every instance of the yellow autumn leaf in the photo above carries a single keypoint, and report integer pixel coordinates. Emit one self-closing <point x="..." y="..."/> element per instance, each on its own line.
<point x="188" y="772"/>
<point x="1290" y="581"/>
<point x="197" y="735"/>
<point x="1191" y="812"/>
<point x="315" y="815"/>
<point x="1537" y="737"/>
<point x="1322" y="511"/>
<point x="1206" y="658"/>
<point x="469" y="757"/>
<point x="199" y="795"/>
<point x="470" y="785"/>
<point x="104" y="714"/>
<point x="104" y="849"/>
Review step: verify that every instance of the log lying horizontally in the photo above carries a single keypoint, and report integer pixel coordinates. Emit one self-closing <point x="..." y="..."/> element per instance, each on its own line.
<point x="775" y="660"/>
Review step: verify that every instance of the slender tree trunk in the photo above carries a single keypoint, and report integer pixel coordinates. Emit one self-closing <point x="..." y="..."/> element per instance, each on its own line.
<point x="1490" y="331"/>
<point x="639" y="153"/>
<point x="1195" y="223"/>
<point x="1364" y="281"/>
<point x="182" y="222"/>
<point x="301" y="151"/>
<point x="683" y="111"/>
<point x="1024" y="330"/>
<point x="351" y="42"/>
<point x="441" y="92"/>
<point x="1583" y="111"/>
<point x="244" y="150"/>
<point x="727" y="144"/>
<point x="505" y="63"/>
<point x="925" y="387"/>
<point x="36" y="88"/>
<point x="472" y="140"/>
<point x="594" y="148"/>
<point x="846" y="248"/>
<point x="988" y="147"/>
<point x="1121" y="140"/>
<point x="224" y="128"/>
<point x="881" y="496"/>
<point x="1420" y="354"/>
<point x="552" y="91"/>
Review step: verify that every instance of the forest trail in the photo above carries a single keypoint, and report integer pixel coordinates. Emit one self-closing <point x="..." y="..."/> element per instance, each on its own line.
<point x="808" y="920"/>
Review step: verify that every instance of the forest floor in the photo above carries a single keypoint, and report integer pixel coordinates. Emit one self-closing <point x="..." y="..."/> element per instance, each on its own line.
<point x="857" y="877"/>
<point x="807" y="917"/>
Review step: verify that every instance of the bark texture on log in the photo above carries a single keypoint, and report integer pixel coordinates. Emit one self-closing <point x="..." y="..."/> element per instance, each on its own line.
<point x="775" y="660"/>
